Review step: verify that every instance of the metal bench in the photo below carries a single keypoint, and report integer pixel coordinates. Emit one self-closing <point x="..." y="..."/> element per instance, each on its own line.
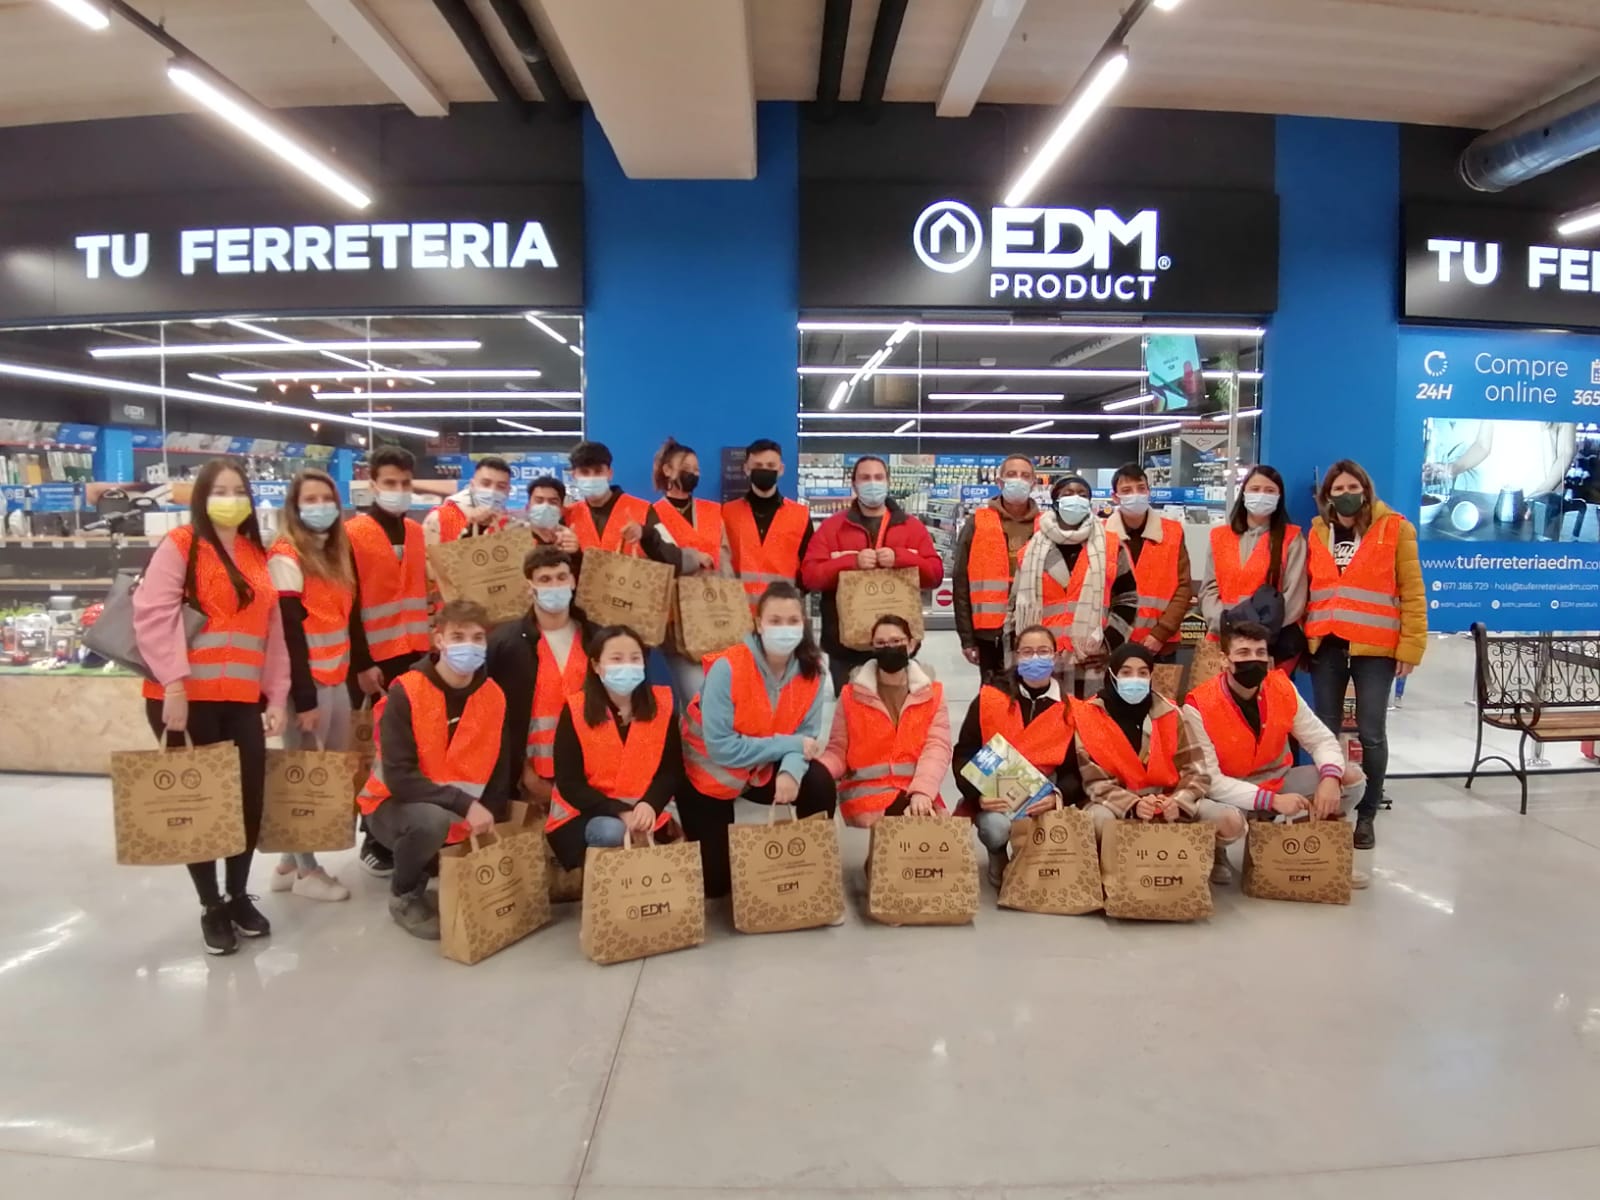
<point x="1543" y="686"/>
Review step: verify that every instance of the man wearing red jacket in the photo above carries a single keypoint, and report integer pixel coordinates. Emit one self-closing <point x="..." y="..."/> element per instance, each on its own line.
<point x="874" y="533"/>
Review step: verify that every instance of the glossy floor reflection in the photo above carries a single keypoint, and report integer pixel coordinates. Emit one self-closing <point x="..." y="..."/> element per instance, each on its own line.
<point x="1439" y="1038"/>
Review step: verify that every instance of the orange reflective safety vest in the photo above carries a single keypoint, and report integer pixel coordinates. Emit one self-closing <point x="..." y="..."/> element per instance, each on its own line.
<point x="1103" y="741"/>
<point x="1237" y="580"/>
<point x="453" y="522"/>
<point x="1261" y="761"/>
<point x="758" y="562"/>
<point x="618" y="769"/>
<point x="466" y="761"/>
<point x="705" y="535"/>
<point x="629" y="510"/>
<point x="880" y="757"/>
<point x="753" y="716"/>
<point x="1060" y="601"/>
<point x="1157" y="574"/>
<point x="1363" y="603"/>
<point x="1044" y="741"/>
<point x="327" y="619"/>
<point x="989" y="569"/>
<point x="229" y="655"/>
<point x="552" y="684"/>
<point x="394" y="591"/>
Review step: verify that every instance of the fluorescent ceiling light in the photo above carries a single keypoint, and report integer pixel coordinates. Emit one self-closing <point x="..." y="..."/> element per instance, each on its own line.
<point x="331" y="356"/>
<point x="384" y="395"/>
<point x="1246" y="375"/>
<point x="899" y="335"/>
<point x="472" y="414"/>
<point x="575" y="348"/>
<point x="1034" y="428"/>
<point x="934" y="327"/>
<point x="969" y="437"/>
<point x="194" y="349"/>
<point x="1000" y="372"/>
<point x="543" y="328"/>
<point x="106" y="383"/>
<point x="1130" y="402"/>
<point x="839" y="393"/>
<point x="380" y="373"/>
<point x="1108" y="68"/>
<point x="1019" y="397"/>
<point x="906" y="426"/>
<point x="1168" y="5"/>
<point x="1148" y="429"/>
<point x="1585" y="220"/>
<point x="84" y="13"/>
<point x="248" y="117"/>
<point x="505" y="433"/>
<point x="1244" y="414"/>
<point x="520" y="425"/>
<point x="987" y="416"/>
<point x="238" y="387"/>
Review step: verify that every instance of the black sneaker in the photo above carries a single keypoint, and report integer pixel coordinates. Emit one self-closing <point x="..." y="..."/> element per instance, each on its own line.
<point x="1365" y="838"/>
<point x="216" y="926"/>
<point x="246" y="917"/>
<point x="376" y="858"/>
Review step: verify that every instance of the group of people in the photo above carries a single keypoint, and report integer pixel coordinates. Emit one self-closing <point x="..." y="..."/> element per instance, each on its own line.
<point x="1066" y="614"/>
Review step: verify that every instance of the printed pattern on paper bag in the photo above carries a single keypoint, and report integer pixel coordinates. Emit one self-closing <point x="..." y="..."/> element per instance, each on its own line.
<point x="710" y="613"/>
<point x="1308" y="861"/>
<point x="491" y="894"/>
<point x="361" y="743"/>
<point x="923" y="871"/>
<point x="786" y="875"/>
<point x="487" y="569"/>
<point x="864" y="596"/>
<point x="177" y="806"/>
<point x="308" y="807"/>
<point x="1055" y="866"/>
<point x="618" y="589"/>
<point x="1157" y="871"/>
<point x="639" y="901"/>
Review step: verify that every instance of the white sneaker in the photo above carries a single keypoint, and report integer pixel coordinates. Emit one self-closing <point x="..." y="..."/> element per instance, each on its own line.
<point x="319" y="885"/>
<point x="1360" y="879"/>
<point x="282" y="881"/>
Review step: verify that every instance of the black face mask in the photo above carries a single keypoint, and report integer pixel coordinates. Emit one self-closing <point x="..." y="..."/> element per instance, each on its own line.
<point x="892" y="659"/>
<point x="1251" y="674"/>
<point x="763" y="479"/>
<point x="688" y="481"/>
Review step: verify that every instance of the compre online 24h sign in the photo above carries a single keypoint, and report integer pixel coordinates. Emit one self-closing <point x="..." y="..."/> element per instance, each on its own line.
<point x="1069" y="254"/>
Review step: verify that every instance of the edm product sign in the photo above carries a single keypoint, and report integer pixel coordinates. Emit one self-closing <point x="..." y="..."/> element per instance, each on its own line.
<point x="1499" y="440"/>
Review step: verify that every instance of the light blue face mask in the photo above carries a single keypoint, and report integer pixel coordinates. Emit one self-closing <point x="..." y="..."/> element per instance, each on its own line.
<point x="1015" y="491"/>
<point x="1261" y="504"/>
<point x="592" y="487"/>
<point x="782" y="639"/>
<point x="544" y="516"/>
<point x="319" y="517"/>
<point x="1073" y="510"/>
<point x="464" y="657"/>
<point x="873" y="492"/>
<point x="1036" y="671"/>
<point x="1135" y="504"/>
<point x="553" y="599"/>
<point x="1134" y="691"/>
<point x="488" y="498"/>
<point x="622" y="679"/>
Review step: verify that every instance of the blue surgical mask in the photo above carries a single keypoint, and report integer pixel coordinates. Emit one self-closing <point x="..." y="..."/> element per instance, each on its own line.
<point x="1261" y="504"/>
<point x="544" y="516"/>
<point x="1134" y="691"/>
<point x="553" y="599"/>
<point x="1073" y="510"/>
<point x="464" y="657"/>
<point x="1015" y="491"/>
<point x="873" y="492"/>
<point x="394" y="502"/>
<point x="592" y="487"/>
<point x="319" y="517"/>
<point x="622" y="679"/>
<point x="488" y="498"/>
<point x="1135" y="504"/>
<point x="1035" y="671"/>
<point x="782" y="639"/>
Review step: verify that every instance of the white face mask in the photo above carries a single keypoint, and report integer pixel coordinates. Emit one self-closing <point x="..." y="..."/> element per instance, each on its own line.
<point x="1135" y="504"/>
<point x="1261" y="504"/>
<point x="394" y="502"/>
<point x="1073" y="510"/>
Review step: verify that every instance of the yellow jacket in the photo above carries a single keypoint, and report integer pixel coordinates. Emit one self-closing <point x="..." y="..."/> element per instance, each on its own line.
<point x="1413" y="597"/>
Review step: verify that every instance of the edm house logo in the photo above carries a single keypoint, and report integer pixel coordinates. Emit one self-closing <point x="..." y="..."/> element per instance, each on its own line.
<point x="1043" y="253"/>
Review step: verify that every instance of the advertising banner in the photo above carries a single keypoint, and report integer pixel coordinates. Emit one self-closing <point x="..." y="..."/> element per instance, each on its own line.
<point x="1500" y="448"/>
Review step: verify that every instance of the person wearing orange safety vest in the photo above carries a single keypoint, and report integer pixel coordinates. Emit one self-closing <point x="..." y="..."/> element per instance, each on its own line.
<point x="618" y="758"/>
<point x="1160" y="563"/>
<point x="605" y="517"/>
<point x="695" y="527"/>
<point x="754" y="731"/>
<point x="767" y="534"/>
<point x="438" y="743"/>
<point x="986" y="554"/>
<point x="1241" y="562"/>
<point x="1367" y="621"/>
<point x="889" y="749"/>
<point x="210" y="687"/>
<point x="1243" y="721"/>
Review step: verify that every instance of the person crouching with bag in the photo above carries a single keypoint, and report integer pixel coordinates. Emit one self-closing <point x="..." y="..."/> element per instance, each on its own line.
<point x="438" y="743"/>
<point x="618" y="758"/>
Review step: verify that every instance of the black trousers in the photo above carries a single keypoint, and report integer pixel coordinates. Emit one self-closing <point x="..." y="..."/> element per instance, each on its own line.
<point x="991" y="656"/>
<point x="210" y="722"/>
<point x="840" y="663"/>
<point x="1332" y="668"/>
<point x="392" y="669"/>
<point x="706" y="820"/>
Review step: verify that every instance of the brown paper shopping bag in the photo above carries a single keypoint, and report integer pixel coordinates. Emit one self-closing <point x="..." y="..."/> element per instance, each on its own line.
<point x="864" y="596"/>
<point x="1299" y="860"/>
<point x="640" y="900"/>
<point x="487" y="569"/>
<point x="1208" y="662"/>
<point x="618" y="589"/>
<point x="786" y="874"/>
<point x="710" y="613"/>
<point x="491" y="893"/>
<point x="922" y="871"/>
<point x="177" y="806"/>
<point x="1055" y="867"/>
<point x="308" y="806"/>
<point x="1157" y="870"/>
<point x="362" y="743"/>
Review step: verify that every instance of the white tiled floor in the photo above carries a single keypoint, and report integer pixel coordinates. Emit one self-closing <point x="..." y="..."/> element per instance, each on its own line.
<point x="1440" y="1037"/>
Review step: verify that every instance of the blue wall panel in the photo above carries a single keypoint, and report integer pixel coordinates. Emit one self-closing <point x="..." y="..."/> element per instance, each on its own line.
<point x="690" y="305"/>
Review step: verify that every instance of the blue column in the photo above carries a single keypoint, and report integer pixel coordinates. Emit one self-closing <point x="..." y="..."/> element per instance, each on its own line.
<point x="113" y="456"/>
<point x="343" y="470"/>
<point x="690" y="305"/>
<point x="1331" y="348"/>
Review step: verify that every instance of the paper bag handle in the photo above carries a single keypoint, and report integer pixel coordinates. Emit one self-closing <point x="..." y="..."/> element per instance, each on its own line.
<point x="649" y="837"/>
<point x="773" y="809"/>
<point x="161" y="739"/>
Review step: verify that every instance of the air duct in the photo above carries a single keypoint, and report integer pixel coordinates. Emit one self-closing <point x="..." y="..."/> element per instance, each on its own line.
<point x="1536" y="143"/>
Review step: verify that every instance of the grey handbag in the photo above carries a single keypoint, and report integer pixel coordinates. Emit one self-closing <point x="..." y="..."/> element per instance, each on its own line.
<point x="112" y="636"/>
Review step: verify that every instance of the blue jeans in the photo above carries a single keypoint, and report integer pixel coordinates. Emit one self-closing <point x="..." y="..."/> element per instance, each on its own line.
<point x="605" y="832"/>
<point x="994" y="830"/>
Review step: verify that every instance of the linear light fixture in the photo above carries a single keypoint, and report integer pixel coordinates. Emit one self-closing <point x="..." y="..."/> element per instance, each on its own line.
<point x="1090" y="92"/>
<point x="906" y="426"/>
<point x="106" y="383"/>
<point x="381" y="373"/>
<point x="546" y="329"/>
<point x="935" y="327"/>
<point x="1034" y="428"/>
<point x="1244" y="414"/>
<point x="330" y="355"/>
<point x="520" y="425"/>
<point x="1131" y="418"/>
<point x="839" y="393"/>
<point x="194" y="349"/>
<point x="1130" y="402"/>
<point x="1164" y="427"/>
<point x="492" y="412"/>
<point x="1584" y="220"/>
<point x="217" y="379"/>
<point x="969" y="437"/>
<point x="1020" y="397"/>
<point x="508" y="433"/>
<point x="1168" y="5"/>
<point x="384" y="395"/>
<point x="84" y="13"/>
<point x="1020" y="372"/>
<point x="251" y="119"/>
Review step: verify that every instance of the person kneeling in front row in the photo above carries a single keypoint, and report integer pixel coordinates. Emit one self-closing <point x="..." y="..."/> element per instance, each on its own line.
<point x="618" y="759"/>
<point x="1139" y="759"/>
<point x="438" y="743"/>
<point x="1243" y="720"/>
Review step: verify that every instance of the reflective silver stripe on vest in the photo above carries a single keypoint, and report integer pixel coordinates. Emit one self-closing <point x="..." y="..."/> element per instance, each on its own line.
<point x="337" y="638"/>
<point x="376" y="612"/>
<point x="232" y="670"/>
<point x="1155" y="602"/>
<point x="993" y="608"/>
<point x="475" y="790"/>
<point x="1320" y="594"/>
<point x="692" y="729"/>
<point x="1366" y="596"/>
<point x="1057" y="610"/>
<point x="225" y="641"/>
<point x="537" y="725"/>
<point x="867" y="778"/>
<point x="1352" y="616"/>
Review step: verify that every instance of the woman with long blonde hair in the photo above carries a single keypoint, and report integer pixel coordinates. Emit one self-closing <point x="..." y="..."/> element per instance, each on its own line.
<point x="314" y="573"/>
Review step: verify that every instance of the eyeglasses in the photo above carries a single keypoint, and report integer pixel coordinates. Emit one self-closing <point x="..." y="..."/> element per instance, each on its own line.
<point x="1028" y="655"/>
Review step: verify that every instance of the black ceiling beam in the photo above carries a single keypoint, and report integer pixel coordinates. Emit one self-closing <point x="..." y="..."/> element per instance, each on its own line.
<point x="531" y="50"/>
<point x="885" y="36"/>
<point x="830" y="63"/>
<point x="476" y="43"/>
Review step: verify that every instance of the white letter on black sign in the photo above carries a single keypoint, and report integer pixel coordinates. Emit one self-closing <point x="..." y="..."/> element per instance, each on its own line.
<point x="1444" y="248"/>
<point x="532" y="247"/>
<point x="1490" y="270"/>
<point x="468" y="241"/>
<point x="194" y="245"/>
<point x="91" y="244"/>
<point x="390" y="236"/>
